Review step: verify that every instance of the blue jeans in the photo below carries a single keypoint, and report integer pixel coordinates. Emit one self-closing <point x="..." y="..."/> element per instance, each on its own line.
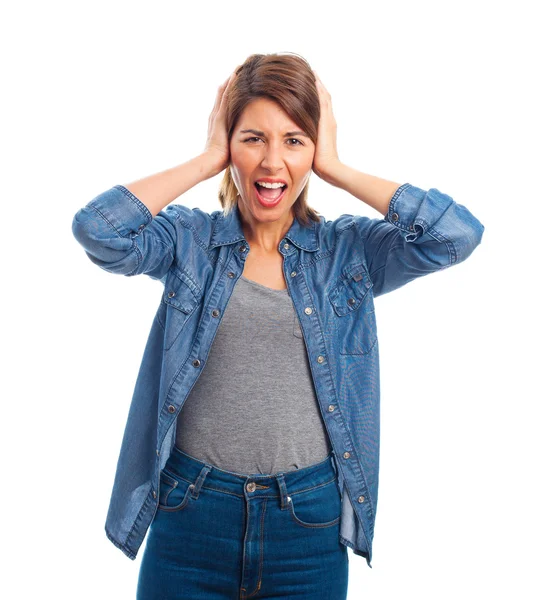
<point x="218" y="534"/>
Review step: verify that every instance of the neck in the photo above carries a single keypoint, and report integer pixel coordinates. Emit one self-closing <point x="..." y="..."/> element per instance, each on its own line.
<point x="264" y="237"/>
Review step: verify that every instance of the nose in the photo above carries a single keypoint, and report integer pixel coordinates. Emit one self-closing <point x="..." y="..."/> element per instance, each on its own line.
<point x="273" y="157"/>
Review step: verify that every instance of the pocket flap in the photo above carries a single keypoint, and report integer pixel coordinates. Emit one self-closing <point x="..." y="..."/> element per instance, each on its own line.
<point x="351" y="289"/>
<point x="179" y="295"/>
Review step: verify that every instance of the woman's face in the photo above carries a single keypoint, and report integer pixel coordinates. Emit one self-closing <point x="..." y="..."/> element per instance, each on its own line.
<point x="275" y="148"/>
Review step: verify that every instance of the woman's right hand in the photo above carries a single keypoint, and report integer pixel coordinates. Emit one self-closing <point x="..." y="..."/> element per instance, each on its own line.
<point x="217" y="147"/>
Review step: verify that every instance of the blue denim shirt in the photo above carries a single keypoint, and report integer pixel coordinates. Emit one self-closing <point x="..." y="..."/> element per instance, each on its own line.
<point x="333" y="269"/>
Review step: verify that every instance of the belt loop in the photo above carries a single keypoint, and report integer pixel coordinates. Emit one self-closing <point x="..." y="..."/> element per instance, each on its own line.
<point x="282" y="490"/>
<point x="200" y="480"/>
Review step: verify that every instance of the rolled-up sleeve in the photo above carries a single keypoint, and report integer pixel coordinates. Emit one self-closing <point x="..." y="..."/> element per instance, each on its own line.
<point x="119" y="234"/>
<point x="423" y="232"/>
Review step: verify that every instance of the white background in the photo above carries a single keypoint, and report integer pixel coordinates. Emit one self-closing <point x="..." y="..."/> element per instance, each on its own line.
<point x="451" y="95"/>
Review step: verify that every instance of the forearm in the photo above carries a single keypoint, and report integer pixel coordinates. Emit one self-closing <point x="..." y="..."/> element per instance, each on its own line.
<point x="158" y="190"/>
<point x="371" y="190"/>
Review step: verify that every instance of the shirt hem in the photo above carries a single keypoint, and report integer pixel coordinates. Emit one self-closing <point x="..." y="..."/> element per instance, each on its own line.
<point x="120" y="546"/>
<point x="357" y="551"/>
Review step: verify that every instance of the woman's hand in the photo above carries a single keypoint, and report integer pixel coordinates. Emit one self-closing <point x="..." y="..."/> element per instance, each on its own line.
<point x="217" y="146"/>
<point x="325" y="156"/>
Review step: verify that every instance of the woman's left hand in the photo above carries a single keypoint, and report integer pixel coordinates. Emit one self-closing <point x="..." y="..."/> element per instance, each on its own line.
<point x="325" y="156"/>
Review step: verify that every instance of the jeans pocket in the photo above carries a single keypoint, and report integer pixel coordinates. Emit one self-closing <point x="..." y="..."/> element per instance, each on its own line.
<point x="174" y="493"/>
<point x="319" y="506"/>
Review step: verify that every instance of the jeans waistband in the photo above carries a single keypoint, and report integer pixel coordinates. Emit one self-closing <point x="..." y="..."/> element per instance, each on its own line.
<point x="200" y="473"/>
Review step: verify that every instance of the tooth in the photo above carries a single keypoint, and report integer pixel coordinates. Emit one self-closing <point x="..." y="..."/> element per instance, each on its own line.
<point x="270" y="185"/>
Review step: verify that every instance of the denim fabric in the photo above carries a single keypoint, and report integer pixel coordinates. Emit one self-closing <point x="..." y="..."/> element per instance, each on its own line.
<point x="333" y="270"/>
<point x="219" y="534"/>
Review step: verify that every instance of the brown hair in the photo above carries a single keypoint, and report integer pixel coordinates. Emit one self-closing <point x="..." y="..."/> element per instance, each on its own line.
<point x="287" y="79"/>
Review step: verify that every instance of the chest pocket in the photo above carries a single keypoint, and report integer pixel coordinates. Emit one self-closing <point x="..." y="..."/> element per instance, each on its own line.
<point x="354" y="315"/>
<point x="178" y="304"/>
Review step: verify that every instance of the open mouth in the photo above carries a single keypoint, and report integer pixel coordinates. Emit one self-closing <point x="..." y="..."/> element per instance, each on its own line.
<point x="269" y="197"/>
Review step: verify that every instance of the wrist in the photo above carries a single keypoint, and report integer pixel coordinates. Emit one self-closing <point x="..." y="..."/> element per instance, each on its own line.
<point x="334" y="173"/>
<point x="211" y="163"/>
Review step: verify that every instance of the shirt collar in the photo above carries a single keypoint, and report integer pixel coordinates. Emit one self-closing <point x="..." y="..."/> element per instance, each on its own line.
<point x="229" y="230"/>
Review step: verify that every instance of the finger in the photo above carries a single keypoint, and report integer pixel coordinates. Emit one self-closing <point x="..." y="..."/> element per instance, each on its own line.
<point x="319" y="84"/>
<point x="221" y="90"/>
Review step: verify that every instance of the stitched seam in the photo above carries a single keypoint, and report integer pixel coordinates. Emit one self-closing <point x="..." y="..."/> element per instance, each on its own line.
<point x="196" y="237"/>
<point x="124" y="549"/>
<point x="134" y="528"/>
<point x="158" y="317"/>
<point x="313" y="525"/>
<point x="450" y="246"/>
<point x="107" y="221"/>
<point x="291" y="508"/>
<point x="259" y="584"/>
<point x="215" y="489"/>
<point x="139" y="259"/>
<point x="136" y="201"/>
<point x="135" y="249"/>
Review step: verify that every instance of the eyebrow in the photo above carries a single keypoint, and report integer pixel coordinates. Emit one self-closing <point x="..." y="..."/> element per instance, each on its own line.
<point x="288" y="134"/>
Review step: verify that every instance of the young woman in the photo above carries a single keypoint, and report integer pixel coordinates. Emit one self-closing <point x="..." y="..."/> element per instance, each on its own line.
<point x="251" y="449"/>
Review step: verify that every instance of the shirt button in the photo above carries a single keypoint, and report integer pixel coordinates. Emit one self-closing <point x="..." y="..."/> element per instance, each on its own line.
<point x="394" y="217"/>
<point x="215" y="313"/>
<point x="351" y="301"/>
<point x="308" y="310"/>
<point x="320" y="359"/>
<point x="411" y="227"/>
<point x="171" y="408"/>
<point x="293" y="273"/>
<point x="231" y="274"/>
<point x="171" y="294"/>
<point x="196" y="362"/>
<point x="157" y="452"/>
<point x="154" y="493"/>
<point x="286" y="246"/>
<point x="360" y="499"/>
<point x="346" y="455"/>
<point x="242" y="248"/>
<point x="331" y="408"/>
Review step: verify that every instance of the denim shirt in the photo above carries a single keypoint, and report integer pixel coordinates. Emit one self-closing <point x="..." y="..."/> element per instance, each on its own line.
<point x="333" y="269"/>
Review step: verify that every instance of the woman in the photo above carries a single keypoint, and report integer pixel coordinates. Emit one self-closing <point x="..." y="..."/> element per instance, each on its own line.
<point x="252" y="443"/>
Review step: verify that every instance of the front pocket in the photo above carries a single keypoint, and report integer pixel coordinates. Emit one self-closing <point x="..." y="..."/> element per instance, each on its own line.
<point x="353" y="315"/>
<point x="180" y="302"/>
<point x="317" y="507"/>
<point x="174" y="493"/>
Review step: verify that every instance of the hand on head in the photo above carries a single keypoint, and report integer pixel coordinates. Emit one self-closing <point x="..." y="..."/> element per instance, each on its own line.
<point x="217" y="143"/>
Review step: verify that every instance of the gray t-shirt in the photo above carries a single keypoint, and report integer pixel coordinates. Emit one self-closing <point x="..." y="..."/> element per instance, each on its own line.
<point x="253" y="408"/>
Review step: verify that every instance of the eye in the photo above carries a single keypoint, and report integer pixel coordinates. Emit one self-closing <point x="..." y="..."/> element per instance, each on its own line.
<point x="299" y="143"/>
